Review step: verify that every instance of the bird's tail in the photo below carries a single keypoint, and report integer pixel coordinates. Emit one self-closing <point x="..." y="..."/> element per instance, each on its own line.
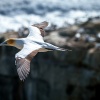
<point x="52" y="47"/>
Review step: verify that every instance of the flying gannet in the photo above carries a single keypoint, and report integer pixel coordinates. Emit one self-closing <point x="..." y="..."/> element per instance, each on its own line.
<point x="30" y="46"/>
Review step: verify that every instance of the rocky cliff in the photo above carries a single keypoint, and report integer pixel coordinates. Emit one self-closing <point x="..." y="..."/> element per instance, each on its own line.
<point x="70" y="75"/>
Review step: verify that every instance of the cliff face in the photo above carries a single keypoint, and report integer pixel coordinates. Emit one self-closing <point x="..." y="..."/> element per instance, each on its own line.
<point x="70" y="75"/>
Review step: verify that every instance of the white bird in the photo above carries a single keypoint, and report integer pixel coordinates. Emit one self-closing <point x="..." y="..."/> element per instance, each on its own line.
<point x="30" y="46"/>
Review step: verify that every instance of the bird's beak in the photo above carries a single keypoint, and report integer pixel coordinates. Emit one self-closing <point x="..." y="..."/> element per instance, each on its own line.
<point x="3" y="43"/>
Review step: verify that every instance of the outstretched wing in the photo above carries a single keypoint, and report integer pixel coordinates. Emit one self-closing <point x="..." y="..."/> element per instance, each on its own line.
<point x="37" y="30"/>
<point x="41" y="27"/>
<point x="23" y="59"/>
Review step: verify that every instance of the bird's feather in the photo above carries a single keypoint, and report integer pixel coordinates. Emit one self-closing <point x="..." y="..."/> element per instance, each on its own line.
<point x="53" y="47"/>
<point x="41" y="27"/>
<point x="23" y="59"/>
<point x="36" y="31"/>
<point x="35" y="34"/>
<point x="23" y="67"/>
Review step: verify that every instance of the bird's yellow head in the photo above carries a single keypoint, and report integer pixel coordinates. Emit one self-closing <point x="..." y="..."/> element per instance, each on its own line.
<point x="9" y="42"/>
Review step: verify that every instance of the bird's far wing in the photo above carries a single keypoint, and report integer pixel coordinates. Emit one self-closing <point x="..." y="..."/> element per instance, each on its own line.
<point x="35" y="34"/>
<point x="23" y="59"/>
<point x="37" y="30"/>
<point x="41" y="27"/>
<point x="23" y="67"/>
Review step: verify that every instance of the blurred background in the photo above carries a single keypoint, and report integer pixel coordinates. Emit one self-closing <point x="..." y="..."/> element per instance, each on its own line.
<point x="73" y="75"/>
